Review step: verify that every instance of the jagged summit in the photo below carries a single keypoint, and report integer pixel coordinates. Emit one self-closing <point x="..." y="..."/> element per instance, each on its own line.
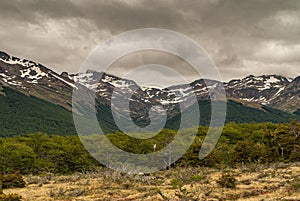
<point x="35" y="79"/>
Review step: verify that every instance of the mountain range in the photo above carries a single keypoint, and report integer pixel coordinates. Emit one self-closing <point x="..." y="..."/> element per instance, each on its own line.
<point x="35" y="98"/>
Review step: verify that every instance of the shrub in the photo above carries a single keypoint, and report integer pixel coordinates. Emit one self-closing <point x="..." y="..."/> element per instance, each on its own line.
<point x="175" y="183"/>
<point x="227" y="180"/>
<point x="296" y="185"/>
<point x="10" y="197"/>
<point x="247" y="152"/>
<point x="13" y="180"/>
<point x="197" y="178"/>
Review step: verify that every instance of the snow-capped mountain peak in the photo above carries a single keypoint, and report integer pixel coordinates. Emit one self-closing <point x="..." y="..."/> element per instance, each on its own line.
<point x="259" y="89"/>
<point x="35" y="79"/>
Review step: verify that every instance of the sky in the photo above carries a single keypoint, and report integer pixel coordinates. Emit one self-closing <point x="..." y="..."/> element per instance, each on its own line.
<point x="241" y="37"/>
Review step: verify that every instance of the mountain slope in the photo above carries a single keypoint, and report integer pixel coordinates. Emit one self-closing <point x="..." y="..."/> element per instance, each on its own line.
<point x="238" y="113"/>
<point x="35" y="98"/>
<point x="21" y="115"/>
<point x="289" y="99"/>
<point x="35" y="79"/>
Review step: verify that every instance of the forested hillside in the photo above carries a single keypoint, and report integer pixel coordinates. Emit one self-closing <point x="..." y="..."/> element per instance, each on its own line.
<point x="22" y="114"/>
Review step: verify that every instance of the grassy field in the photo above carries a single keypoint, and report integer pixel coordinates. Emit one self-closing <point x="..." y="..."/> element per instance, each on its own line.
<point x="269" y="182"/>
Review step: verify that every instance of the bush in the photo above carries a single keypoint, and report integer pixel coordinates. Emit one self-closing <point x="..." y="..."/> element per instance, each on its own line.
<point x="246" y="152"/>
<point x="175" y="183"/>
<point x="13" y="180"/>
<point x="296" y="185"/>
<point x="197" y="178"/>
<point x="227" y="180"/>
<point x="10" y="197"/>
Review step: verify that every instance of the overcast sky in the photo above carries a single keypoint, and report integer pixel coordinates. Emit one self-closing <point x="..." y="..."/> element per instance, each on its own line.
<point x="242" y="37"/>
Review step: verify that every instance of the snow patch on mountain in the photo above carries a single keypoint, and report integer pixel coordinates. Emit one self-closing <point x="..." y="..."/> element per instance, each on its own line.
<point x="33" y="73"/>
<point x="13" y="60"/>
<point x="272" y="79"/>
<point x="9" y="80"/>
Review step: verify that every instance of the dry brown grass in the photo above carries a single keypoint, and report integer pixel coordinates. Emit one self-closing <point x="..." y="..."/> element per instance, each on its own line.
<point x="274" y="182"/>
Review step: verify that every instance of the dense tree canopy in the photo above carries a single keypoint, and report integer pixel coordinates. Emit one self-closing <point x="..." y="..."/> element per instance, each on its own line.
<point x="239" y="144"/>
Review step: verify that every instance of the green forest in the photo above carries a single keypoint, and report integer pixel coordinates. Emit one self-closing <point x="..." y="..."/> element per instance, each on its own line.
<point x="22" y="115"/>
<point x="240" y="144"/>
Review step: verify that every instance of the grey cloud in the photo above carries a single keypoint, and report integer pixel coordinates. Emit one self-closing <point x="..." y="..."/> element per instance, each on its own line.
<point x="235" y="33"/>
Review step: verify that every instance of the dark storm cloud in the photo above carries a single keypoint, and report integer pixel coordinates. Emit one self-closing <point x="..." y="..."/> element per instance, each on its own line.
<point x="242" y="37"/>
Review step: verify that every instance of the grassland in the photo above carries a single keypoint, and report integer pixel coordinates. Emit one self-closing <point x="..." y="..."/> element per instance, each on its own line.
<point x="253" y="182"/>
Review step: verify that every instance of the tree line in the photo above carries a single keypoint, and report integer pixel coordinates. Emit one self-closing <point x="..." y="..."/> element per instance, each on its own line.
<point x="239" y="144"/>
